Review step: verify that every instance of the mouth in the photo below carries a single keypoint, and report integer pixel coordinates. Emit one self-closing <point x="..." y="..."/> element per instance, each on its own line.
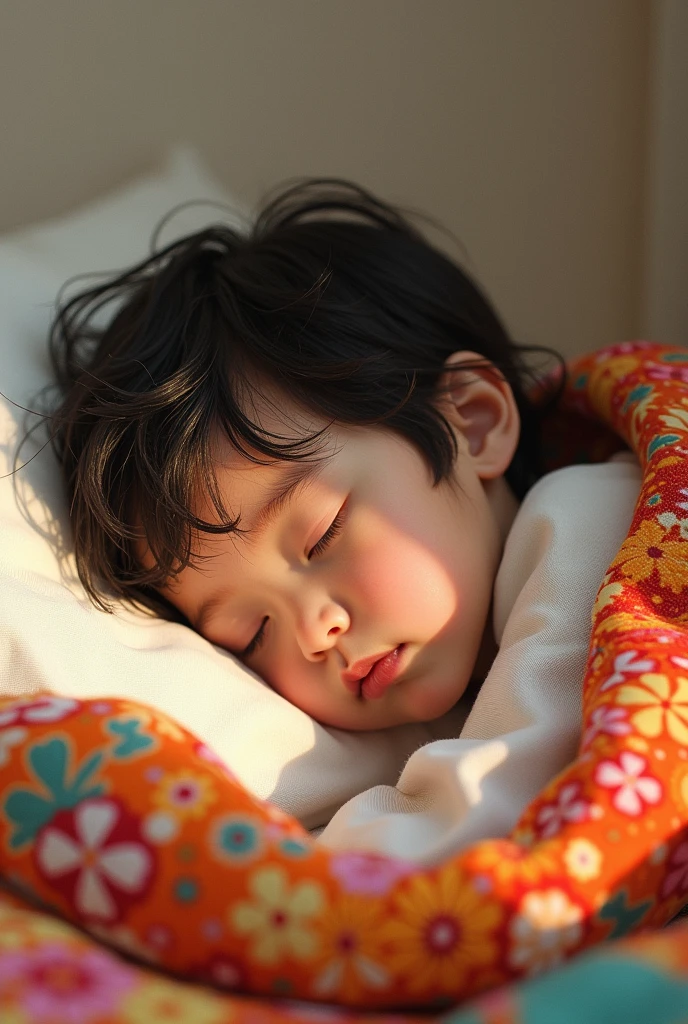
<point x="382" y="674"/>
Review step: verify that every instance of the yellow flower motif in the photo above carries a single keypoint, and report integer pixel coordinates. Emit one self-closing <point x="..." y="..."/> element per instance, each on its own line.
<point x="153" y="719"/>
<point x="617" y="620"/>
<point x="647" y="549"/>
<point x="442" y="929"/>
<point x="583" y="859"/>
<point x="349" y="944"/>
<point x="14" y="1016"/>
<point x="603" y="381"/>
<point x="606" y="596"/>
<point x="675" y="419"/>
<point x="158" y="1001"/>
<point x="277" y="919"/>
<point x="167" y="726"/>
<point x="664" y="705"/>
<point x="20" y="929"/>
<point x="185" y="793"/>
<point x="678" y="784"/>
<point x="656" y="469"/>
<point x="512" y="861"/>
<point x="638" y="418"/>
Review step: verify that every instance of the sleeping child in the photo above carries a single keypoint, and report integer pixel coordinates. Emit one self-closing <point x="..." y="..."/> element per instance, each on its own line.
<point x="311" y="443"/>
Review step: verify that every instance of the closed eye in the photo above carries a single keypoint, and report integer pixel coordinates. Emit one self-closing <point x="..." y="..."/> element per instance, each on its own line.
<point x="257" y="640"/>
<point x="329" y="535"/>
<point x="317" y="549"/>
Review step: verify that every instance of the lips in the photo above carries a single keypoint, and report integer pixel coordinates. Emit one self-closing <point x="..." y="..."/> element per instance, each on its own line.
<point x="371" y="677"/>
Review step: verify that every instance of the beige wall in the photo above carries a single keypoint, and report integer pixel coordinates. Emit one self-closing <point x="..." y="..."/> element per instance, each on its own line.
<point x="522" y="125"/>
<point x="666" y="246"/>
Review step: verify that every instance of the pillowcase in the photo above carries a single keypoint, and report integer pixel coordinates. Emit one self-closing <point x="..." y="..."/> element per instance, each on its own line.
<point x="51" y="636"/>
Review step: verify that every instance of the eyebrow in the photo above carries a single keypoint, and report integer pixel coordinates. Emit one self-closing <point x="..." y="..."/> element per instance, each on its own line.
<point x="282" y="494"/>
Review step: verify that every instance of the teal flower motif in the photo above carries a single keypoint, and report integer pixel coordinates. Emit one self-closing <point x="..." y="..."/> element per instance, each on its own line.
<point x="186" y="890"/>
<point x="294" y="848"/>
<point x="236" y="839"/>
<point x="661" y="441"/>
<point x="622" y="915"/>
<point x="132" y="739"/>
<point x="29" y="811"/>
<point x="637" y="395"/>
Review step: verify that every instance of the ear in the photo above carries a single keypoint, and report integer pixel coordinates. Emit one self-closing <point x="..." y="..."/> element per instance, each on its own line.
<point x="479" y="404"/>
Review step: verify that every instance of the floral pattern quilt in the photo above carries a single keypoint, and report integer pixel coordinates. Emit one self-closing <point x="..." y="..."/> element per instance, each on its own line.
<point x="141" y="882"/>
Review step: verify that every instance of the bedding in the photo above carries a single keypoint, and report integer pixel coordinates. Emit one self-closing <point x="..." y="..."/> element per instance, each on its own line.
<point x="50" y="972"/>
<point x="145" y="821"/>
<point x="123" y="822"/>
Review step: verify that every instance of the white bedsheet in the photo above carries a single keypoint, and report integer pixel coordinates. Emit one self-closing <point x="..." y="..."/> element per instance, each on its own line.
<point x="525" y="723"/>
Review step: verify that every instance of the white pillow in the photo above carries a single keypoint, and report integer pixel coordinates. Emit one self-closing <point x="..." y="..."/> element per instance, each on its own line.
<point x="51" y="637"/>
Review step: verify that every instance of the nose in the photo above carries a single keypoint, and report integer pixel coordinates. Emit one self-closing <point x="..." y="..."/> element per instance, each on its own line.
<point x="319" y="627"/>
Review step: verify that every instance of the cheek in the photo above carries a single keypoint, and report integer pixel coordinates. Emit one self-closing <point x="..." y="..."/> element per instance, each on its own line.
<point x="399" y="579"/>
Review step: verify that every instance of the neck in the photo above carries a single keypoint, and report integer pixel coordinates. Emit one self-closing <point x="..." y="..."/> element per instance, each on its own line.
<point x="504" y="505"/>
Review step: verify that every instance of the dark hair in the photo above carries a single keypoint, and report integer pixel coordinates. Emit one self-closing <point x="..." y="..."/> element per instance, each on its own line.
<point x="332" y="295"/>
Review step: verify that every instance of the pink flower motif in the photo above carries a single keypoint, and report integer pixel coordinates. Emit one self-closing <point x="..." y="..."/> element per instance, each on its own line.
<point x="160" y="936"/>
<point x="94" y="856"/>
<point x="368" y="873"/>
<point x="607" y="720"/>
<point x="224" y="971"/>
<point x="667" y="371"/>
<point x="622" y="348"/>
<point x="59" y="983"/>
<point x="632" y="787"/>
<point x="624" y="664"/>
<point x="676" y="879"/>
<point x="569" y="806"/>
<point x="40" y="709"/>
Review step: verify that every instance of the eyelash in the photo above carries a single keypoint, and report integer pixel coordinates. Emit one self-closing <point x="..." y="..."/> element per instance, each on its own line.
<point x="317" y="549"/>
<point x="257" y="640"/>
<point x="329" y="534"/>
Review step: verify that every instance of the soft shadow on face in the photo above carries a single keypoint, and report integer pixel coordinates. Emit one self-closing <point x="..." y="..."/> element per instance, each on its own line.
<point x="411" y="565"/>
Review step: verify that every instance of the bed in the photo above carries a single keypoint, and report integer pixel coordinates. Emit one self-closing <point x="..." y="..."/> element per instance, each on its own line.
<point x="152" y="868"/>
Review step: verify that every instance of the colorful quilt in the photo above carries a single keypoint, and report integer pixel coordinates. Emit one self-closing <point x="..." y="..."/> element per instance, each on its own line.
<point x="118" y="821"/>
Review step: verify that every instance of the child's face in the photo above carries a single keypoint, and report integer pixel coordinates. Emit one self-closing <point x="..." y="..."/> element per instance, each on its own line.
<point x="408" y="569"/>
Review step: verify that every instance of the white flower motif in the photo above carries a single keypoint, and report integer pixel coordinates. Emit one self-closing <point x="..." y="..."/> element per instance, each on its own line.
<point x="547" y="925"/>
<point x="39" y="709"/>
<point x="633" y="789"/>
<point x="607" y="720"/>
<point x="124" y="866"/>
<point x="623" y="664"/>
<point x="10" y="738"/>
<point x="677" y="419"/>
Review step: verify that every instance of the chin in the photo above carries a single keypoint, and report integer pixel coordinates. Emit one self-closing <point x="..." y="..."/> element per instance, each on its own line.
<point x="433" y="702"/>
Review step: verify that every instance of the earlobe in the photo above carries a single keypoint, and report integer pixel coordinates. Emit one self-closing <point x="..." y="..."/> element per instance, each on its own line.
<point x="479" y="404"/>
